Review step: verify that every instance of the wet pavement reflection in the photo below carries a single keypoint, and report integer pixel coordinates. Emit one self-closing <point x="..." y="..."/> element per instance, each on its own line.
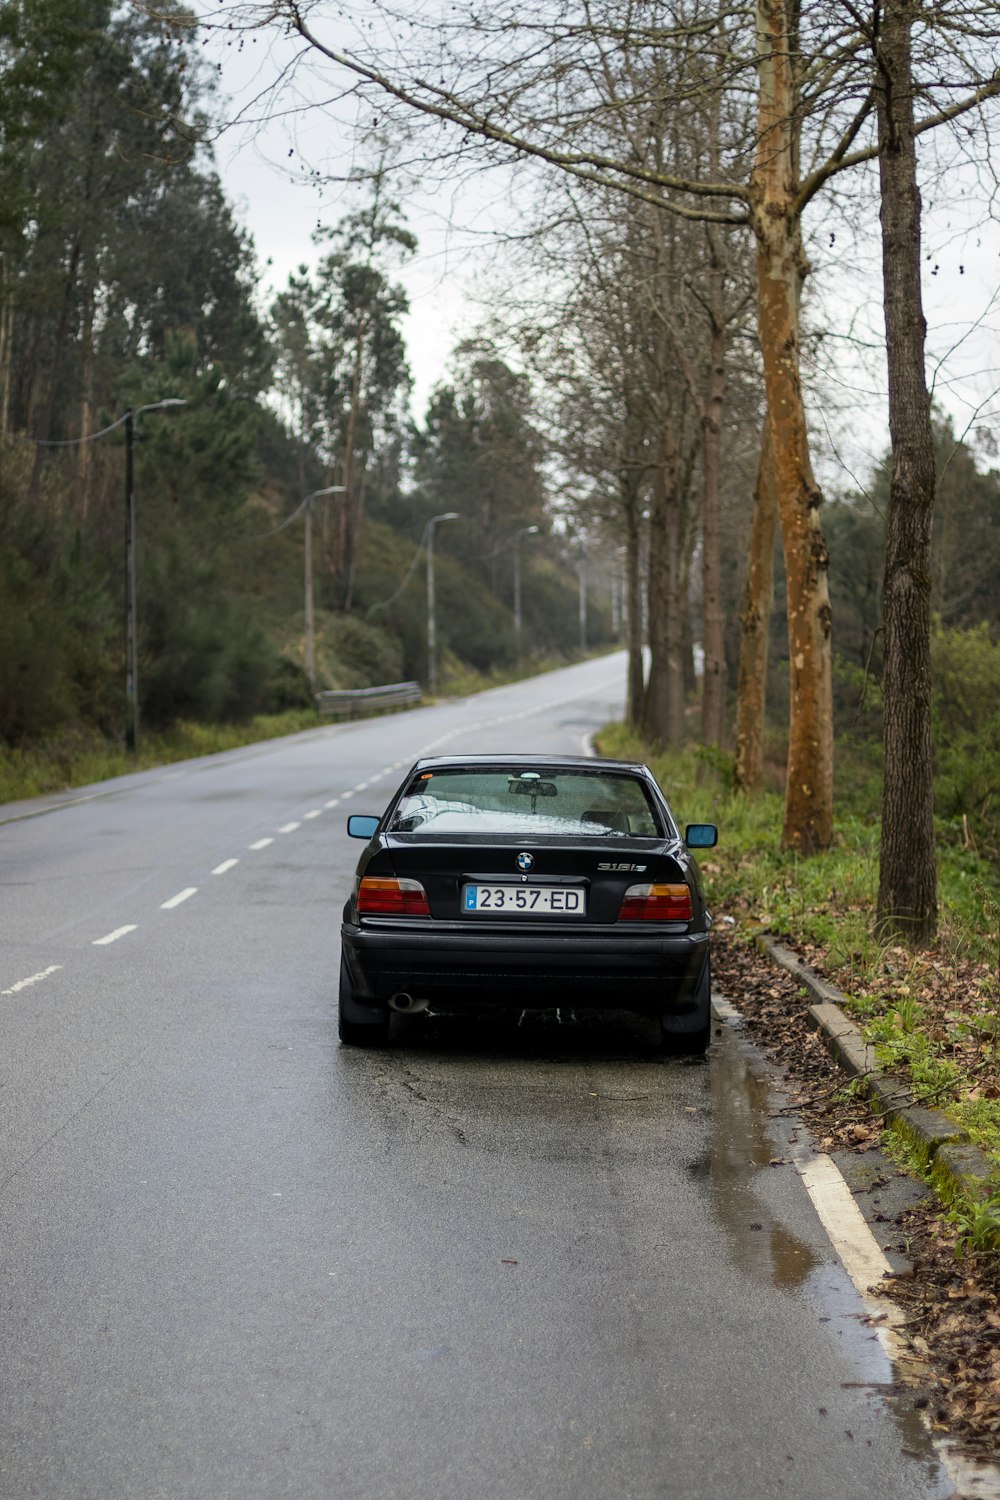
<point x="517" y="1082"/>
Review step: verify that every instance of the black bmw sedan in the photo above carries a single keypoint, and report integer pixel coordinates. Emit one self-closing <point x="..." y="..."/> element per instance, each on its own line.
<point x="527" y="881"/>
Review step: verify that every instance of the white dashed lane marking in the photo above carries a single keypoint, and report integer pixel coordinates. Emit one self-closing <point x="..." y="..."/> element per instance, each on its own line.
<point x="263" y="843"/>
<point x="23" y="984"/>
<point x="112" y="937"/>
<point x="191" y="890"/>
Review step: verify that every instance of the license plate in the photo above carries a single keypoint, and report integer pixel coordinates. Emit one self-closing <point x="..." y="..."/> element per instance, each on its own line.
<point x="523" y="900"/>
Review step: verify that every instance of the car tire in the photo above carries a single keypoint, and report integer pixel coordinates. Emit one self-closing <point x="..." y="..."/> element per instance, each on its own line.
<point x="689" y="1035"/>
<point x="686" y="1043"/>
<point x="353" y="1031"/>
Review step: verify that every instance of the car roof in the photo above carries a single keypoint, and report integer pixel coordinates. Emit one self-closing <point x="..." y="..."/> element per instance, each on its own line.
<point x="555" y="762"/>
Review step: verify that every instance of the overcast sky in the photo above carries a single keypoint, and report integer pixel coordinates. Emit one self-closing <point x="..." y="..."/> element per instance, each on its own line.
<point x="265" y="164"/>
<point x="266" y="167"/>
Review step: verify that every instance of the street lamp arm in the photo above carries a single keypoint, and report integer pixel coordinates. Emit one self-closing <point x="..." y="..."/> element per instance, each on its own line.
<point x="304" y="504"/>
<point x="163" y="405"/>
<point x="91" y="437"/>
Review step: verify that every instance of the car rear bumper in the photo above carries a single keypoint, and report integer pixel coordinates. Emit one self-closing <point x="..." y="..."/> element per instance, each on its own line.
<point x="643" y="971"/>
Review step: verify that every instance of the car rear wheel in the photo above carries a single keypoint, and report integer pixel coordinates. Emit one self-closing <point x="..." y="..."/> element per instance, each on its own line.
<point x="686" y="1043"/>
<point x="689" y="1035"/>
<point x="359" y="1025"/>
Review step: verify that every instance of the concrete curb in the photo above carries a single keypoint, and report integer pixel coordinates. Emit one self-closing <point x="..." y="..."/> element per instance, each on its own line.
<point x="958" y="1170"/>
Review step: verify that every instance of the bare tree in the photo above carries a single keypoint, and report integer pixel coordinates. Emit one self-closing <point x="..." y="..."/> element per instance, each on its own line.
<point x="542" y="89"/>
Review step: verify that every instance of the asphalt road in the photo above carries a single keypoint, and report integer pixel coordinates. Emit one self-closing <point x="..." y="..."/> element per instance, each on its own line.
<point x="531" y="1261"/>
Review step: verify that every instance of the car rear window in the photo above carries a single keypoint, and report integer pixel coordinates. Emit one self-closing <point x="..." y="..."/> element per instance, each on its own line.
<point x="585" y="804"/>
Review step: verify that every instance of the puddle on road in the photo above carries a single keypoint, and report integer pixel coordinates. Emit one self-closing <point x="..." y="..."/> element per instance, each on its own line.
<point x="743" y="1140"/>
<point x="746" y="1140"/>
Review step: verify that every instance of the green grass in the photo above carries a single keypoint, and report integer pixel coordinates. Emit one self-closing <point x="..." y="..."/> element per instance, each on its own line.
<point x="933" y="1017"/>
<point x="80" y="757"/>
<point x="461" y="681"/>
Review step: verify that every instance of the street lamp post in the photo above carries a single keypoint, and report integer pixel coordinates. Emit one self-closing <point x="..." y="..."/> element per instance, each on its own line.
<point x="310" y="662"/>
<point x="131" y="617"/>
<point x="524" y="531"/>
<point x="448" y="515"/>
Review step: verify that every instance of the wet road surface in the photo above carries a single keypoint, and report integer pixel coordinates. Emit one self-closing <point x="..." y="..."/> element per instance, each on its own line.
<point x="527" y="1257"/>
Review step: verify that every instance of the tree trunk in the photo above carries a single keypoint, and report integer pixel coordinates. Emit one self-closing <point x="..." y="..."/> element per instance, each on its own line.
<point x="781" y="267"/>
<point x="714" y="680"/>
<point x="664" y="717"/>
<point x="6" y="340"/>
<point x="62" y="335"/>
<point x="343" y="507"/>
<point x="354" y="531"/>
<point x="758" y="596"/>
<point x="86" y="451"/>
<point x="907" y="896"/>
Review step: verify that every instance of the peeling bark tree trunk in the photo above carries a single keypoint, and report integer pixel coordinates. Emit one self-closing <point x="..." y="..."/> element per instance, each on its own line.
<point x="714" y="681"/>
<point x="808" y="817"/>
<point x="758" y="597"/>
<point x="907" y="896"/>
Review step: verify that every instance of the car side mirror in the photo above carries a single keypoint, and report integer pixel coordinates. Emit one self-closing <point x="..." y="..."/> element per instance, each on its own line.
<point x="701" y="835"/>
<point x="361" y="826"/>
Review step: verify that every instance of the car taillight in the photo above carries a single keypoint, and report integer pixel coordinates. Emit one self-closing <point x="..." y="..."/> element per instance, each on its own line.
<point x="381" y="896"/>
<point x="656" y="903"/>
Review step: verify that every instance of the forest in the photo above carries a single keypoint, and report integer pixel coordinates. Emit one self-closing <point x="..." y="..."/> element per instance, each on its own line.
<point x="628" y="445"/>
<point x="128" y="287"/>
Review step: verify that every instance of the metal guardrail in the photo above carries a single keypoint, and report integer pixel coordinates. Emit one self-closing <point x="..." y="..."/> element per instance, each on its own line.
<point x="359" y="703"/>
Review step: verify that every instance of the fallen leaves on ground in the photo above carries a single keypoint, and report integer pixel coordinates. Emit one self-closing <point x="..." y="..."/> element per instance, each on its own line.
<point x="952" y="1305"/>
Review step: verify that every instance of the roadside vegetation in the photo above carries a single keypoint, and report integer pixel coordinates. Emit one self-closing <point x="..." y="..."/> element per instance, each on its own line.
<point x="933" y="1013"/>
<point x="82" y="756"/>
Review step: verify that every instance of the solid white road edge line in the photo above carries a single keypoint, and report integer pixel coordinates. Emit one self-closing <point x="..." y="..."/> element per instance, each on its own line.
<point x="861" y="1256"/>
<point x="227" y="864"/>
<point x="23" y="984"/>
<point x="191" y="890"/>
<point x="113" y="937"/>
<point x="865" y="1264"/>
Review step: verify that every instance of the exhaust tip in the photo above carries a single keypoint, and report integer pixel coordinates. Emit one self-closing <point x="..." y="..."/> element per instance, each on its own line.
<point x="406" y="1003"/>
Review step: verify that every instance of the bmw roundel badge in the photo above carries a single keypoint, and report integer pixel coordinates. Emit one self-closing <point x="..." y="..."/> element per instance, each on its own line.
<point x="525" y="861"/>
